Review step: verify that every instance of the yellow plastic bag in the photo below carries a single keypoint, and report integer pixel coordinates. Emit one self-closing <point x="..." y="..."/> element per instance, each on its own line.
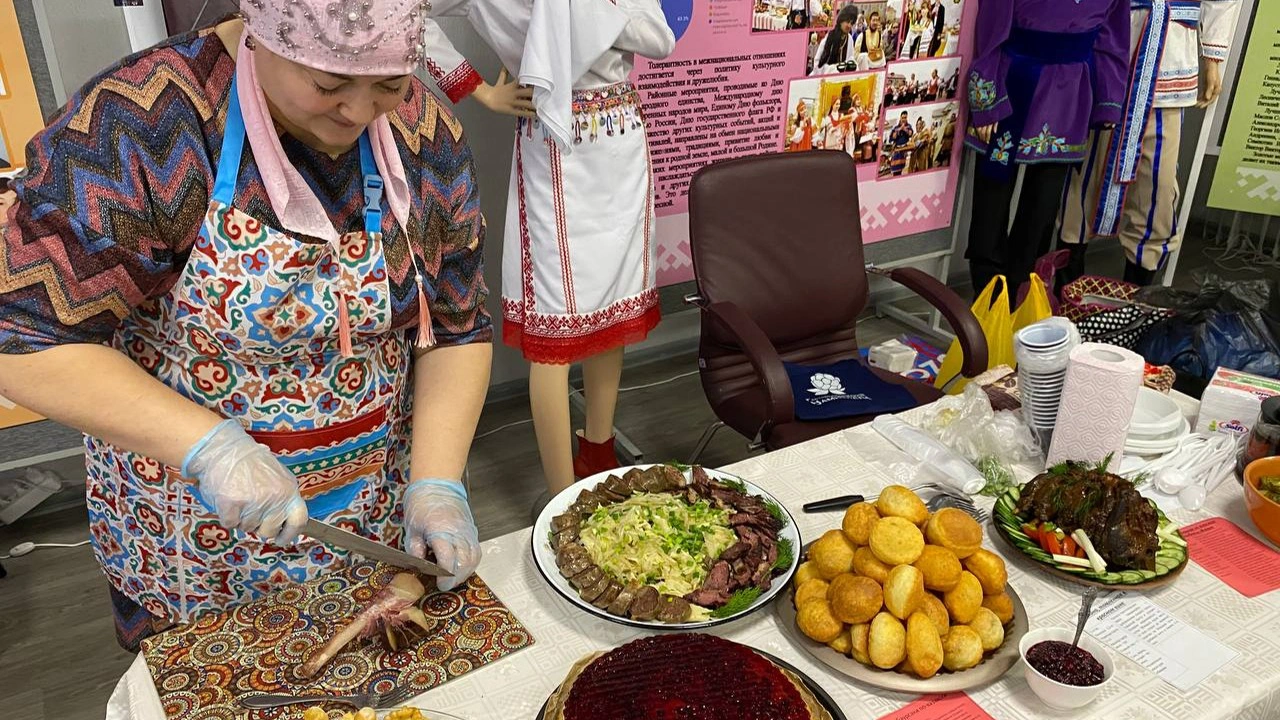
<point x="1034" y="308"/>
<point x="992" y="310"/>
<point x="998" y="325"/>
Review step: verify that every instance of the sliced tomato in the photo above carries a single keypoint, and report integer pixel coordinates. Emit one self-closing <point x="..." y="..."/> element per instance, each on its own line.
<point x="1069" y="547"/>
<point x="1049" y="541"/>
<point x="1032" y="532"/>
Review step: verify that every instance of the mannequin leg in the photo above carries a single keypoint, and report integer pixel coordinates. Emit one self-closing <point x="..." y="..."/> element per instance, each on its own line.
<point x="1148" y="223"/>
<point x="601" y="376"/>
<point x="988" y="230"/>
<point x="1033" y="224"/>
<point x="549" y="403"/>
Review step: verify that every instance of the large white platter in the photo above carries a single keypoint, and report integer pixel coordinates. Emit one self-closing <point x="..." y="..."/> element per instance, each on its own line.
<point x="545" y="558"/>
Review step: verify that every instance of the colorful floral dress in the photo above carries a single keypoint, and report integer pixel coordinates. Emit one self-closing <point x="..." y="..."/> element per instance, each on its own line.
<point x="107" y="246"/>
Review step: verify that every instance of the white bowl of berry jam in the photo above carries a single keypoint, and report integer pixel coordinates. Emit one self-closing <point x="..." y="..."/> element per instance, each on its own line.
<point x="1063" y="677"/>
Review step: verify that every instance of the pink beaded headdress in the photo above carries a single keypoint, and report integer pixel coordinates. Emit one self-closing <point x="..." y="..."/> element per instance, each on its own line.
<point x="347" y="37"/>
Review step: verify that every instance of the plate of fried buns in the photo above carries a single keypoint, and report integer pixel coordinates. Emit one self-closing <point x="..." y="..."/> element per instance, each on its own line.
<point x="906" y="600"/>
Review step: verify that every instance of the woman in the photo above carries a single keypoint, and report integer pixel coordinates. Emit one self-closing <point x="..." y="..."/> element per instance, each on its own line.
<point x="922" y="151"/>
<point x="835" y="127"/>
<point x="241" y="232"/>
<point x="837" y="47"/>
<point x="801" y="137"/>
<point x="579" y="273"/>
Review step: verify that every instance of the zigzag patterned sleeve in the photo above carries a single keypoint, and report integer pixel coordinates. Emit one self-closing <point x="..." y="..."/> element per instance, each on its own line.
<point x="109" y="183"/>
<point x="455" y="225"/>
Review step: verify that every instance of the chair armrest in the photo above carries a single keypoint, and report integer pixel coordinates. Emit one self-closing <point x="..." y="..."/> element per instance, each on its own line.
<point x="957" y="312"/>
<point x="763" y="356"/>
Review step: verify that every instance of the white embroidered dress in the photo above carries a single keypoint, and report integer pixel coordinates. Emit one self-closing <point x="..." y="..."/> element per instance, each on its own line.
<point x="577" y="274"/>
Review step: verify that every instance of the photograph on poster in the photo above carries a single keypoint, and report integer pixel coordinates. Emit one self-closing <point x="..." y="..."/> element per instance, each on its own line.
<point x="928" y="28"/>
<point x="856" y="42"/>
<point x="922" y="81"/>
<point x="918" y="139"/>
<point x="773" y="15"/>
<point x="835" y="113"/>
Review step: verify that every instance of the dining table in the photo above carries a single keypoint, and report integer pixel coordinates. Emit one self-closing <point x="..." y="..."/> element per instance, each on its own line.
<point x="857" y="461"/>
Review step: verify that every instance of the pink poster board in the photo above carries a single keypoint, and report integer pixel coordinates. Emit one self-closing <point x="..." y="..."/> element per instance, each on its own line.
<point x="741" y="82"/>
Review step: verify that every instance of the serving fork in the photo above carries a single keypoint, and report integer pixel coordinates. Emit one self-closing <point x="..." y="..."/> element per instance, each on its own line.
<point x="373" y="700"/>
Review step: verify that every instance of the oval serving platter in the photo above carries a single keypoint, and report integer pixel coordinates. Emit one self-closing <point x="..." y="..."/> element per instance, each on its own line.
<point x="994" y="666"/>
<point x="544" y="557"/>
<point x="1171" y="558"/>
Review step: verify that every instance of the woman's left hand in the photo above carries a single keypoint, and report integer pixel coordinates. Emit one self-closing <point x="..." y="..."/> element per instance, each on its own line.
<point x="436" y="514"/>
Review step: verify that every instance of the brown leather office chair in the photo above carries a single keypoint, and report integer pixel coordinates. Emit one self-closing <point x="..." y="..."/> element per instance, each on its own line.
<point x="777" y="257"/>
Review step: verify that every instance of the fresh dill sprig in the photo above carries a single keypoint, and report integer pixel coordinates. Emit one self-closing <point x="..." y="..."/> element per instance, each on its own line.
<point x="786" y="554"/>
<point x="738" y="602"/>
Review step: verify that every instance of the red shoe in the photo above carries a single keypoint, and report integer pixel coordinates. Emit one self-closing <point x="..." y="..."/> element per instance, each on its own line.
<point x="593" y="457"/>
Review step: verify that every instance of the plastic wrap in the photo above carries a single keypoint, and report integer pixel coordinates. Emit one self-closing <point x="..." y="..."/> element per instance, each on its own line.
<point x="967" y="424"/>
<point x="952" y="468"/>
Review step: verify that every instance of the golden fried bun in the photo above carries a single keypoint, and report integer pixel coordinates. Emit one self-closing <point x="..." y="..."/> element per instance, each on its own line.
<point x="887" y="641"/>
<point x="988" y="627"/>
<point x="858" y="521"/>
<point x="817" y="622"/>
<point x="924" y="647"/>
<point x="940" y="566"/>
<point x="899" y="501"/>
<point x="842" y="644"/>
<point x="903" y="591"/>
<point x="955" y="530"/>
<point x="860" y="637"/>
<point x="895" y="541"/>
<point x="807" y="571"/>
<point x="989" y="568"/>
<point x="866" y="564"/>
<point x="961" y="648"/>
<point x="855" y="599"/>
<point x="815" y="589"/>
<point x="1001" y="605"/>
<point x="832" y="554"/>
<point x="937" y="612"/>
<point x="965" y="600"/>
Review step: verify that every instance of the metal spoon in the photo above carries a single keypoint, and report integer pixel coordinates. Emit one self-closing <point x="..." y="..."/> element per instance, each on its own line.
<point x="1086" y="607"/>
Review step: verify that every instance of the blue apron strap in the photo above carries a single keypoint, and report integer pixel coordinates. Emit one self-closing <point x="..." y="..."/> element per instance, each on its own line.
<point x="224" y="186"/>
<point x="372" y="187"/>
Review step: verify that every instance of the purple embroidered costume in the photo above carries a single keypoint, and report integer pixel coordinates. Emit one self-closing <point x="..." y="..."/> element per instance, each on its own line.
<point x="1045" y="72"/>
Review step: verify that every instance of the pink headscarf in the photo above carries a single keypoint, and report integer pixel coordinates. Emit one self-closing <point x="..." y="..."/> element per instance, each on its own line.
<point x="347" y="37"/>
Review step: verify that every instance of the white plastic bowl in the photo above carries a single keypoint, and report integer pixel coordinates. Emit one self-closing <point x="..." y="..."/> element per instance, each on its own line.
<point x="1154" y="414"/>
<point x="1059" y="695"/>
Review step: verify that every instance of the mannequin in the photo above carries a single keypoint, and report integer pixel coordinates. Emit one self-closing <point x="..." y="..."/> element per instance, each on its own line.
<point x="1129" y="188"/>
<point x="578" y="273"/>
<point x="1044" y="73"/>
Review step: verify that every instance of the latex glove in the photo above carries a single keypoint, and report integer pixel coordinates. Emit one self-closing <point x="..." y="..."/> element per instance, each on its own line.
<point x="508" y="98"/>
<point x="246" y="485"/>
<point x="436" y="514"/>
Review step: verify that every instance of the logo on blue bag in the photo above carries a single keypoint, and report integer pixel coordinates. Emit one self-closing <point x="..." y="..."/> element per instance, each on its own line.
<point x="827" y="388"/>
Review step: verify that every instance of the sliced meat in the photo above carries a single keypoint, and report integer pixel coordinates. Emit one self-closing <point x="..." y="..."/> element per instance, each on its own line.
<point x="742" y="573"/>
<point x="608" y="596"/>
<point x="672" y="609"/>
<point x="715" y="589"/>
<point x="622" y="603"/>
<point x="576" y="567"/>
<point x="587" y="501"/>
<point x="760" y="578"/>
<point x="652" y="481"/>
<point x="569" y="552"/>
<point x="564" y="521"/>
<point x="565" y="539"/>
<point x="701" y="478"/>
<point x="765" y="521"/>
<point x="595" y="590"/>
<point x="707" y="598"/>
<point x="610" y="495"/>
<point x="587" y="578"/>
<point x="735" y="551"/>
<point x="618" y="486"/>
<point x="645" y="604"/>
<point x="672" y="479"/>
<point x="634" y="479"/>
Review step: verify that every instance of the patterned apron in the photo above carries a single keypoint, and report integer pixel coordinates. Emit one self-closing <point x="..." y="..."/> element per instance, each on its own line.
<point x="293" y="340"/>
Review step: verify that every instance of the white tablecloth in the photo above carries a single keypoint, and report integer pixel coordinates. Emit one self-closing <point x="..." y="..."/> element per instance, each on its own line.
<point x="768" y="21"/>
<point x="516" y="686"/>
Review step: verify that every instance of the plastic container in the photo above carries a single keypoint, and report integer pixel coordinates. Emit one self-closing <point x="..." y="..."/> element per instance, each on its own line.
<point x="1154" y="415"/>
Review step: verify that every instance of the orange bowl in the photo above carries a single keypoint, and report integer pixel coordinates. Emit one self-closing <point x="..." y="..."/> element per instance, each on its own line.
<point x="1264" y="512"/>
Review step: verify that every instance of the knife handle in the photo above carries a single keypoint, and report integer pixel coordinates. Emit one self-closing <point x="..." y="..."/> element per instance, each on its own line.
<point x="835" y="503"/>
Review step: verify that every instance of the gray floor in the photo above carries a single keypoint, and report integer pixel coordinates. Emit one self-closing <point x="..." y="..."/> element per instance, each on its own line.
<point x="58" y="655"/>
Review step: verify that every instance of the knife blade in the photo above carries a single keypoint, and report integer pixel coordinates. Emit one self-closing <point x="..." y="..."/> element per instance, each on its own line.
<point x="370" y="549"/>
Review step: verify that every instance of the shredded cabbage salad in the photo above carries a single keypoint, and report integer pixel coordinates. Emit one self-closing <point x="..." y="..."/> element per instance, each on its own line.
<point x="657" y="539"/>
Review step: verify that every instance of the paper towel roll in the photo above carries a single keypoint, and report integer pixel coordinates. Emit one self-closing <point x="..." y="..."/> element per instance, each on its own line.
<point x="1097" y="401"/>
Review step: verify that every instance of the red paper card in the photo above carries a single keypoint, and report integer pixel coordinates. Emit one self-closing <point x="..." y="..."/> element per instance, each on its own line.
<point x="953" y="706"/>
<point x="1233" y="556"/>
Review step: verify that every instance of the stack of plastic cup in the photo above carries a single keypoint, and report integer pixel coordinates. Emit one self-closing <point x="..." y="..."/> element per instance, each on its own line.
<point x="1042" y="350"/>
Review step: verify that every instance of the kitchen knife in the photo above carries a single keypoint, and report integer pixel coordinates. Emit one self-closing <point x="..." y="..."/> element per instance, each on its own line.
<point x="836" y="503"/>
<point x="370" y="549"/>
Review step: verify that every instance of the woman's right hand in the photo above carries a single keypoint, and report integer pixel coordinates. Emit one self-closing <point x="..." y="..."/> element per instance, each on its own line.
<point x="245" y="483"/>
<point x="984" y="132"/>
<point x="508" y="98"/>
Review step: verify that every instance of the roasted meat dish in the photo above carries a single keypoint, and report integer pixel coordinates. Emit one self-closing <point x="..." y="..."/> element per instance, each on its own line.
<point x="747" y="563"/>
<point x="1118" y="520"/>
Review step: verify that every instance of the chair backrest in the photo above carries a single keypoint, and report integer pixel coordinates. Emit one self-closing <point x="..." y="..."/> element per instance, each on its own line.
<point x="780" y="236"/>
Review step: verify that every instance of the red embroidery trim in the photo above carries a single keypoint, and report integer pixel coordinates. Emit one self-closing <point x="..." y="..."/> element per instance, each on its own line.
<point x="565" y="350"/>
<point x="562" y="227"/>
<point x="461" y="82"/>
<point x="526" y="258"/>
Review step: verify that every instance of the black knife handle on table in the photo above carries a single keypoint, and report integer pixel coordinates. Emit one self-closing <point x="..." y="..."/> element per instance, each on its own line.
<point x="835" y="503"/>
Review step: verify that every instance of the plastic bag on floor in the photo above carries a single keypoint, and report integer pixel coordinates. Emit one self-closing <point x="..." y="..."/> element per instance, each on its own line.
<point x="1220" y="323"/>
